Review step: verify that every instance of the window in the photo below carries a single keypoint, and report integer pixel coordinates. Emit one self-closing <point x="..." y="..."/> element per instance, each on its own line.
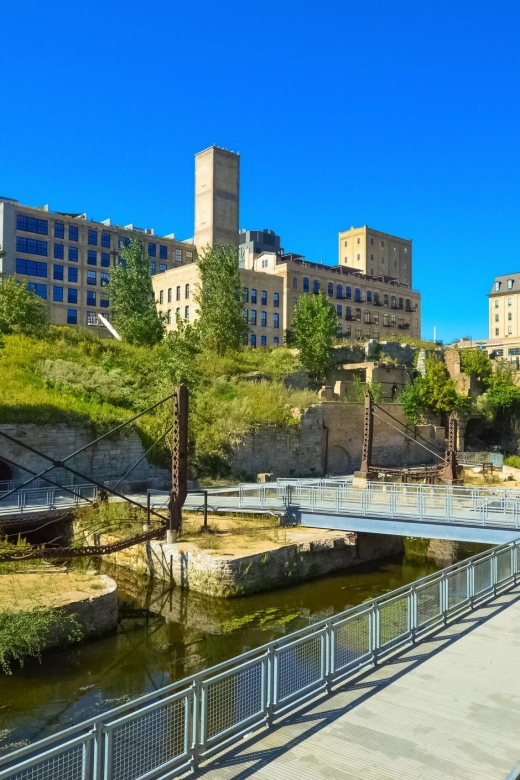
<point x="253" y="295"/>
<point x="92" y="257"/>
<point x="369" y="296"/>
<point x="186" y="312"/>
<point x="276" y="300"/>
<point x="382" y="243"/>
<point x="348" y="293"/>
<point x="497" y="332"/>
<point x="509" y="328"/>
<point x="187" y="291"/>
<point x="357" y="295"/>
<point x="253" y="316"/>
<point x="123" y="241"/>
<point x="72" y="317"/>
<point x="59" y="251"/>
<point x="32" y="225"/>
<point x="72" y="274"/>
<point x="394" y="302"/>
<point x="31" y="246"/>
<point x="346" y="243"/>
<point x="57" y="294"/>
<point x="178" y="256"/>
<point x="358" y="315"/>
<point x="169" y="294"/>
<point x="339" y="291"/>
<point x="371" y="258"/>
<point x="330" y="289"/>
<point x="276" y="320"/>
<point x="358" y="333"/>
<point x="73" y="254"/>
<point x="31" y="267"/>
<point x="178" y="293"/>
<point x="245" y="294"/>
<point x="509" y="284"/>
<point x="385" y="300"/>
<point x="91" y="297"/>
<point x="105" y="240"/>
<point x="497" y="286"/>
<point x="348" y="331"/>
<point x="294" y="302"/>
<point x="392" y="320"/>
<point x="39" y="289"/>
<point x="376" y="299"/>
<point x="385" y="319"/>
<point x="496" y="303"/>
<point x="189" y="257"/>
<point x="73" y="233"/>
<point x="264" y="298"/>
<point x="253" y="340"/>
<point x="339" y="310"/>
<point x="163" y="252"/>
<point x="92" y="237"/>
<point x="276" y="341"/>
<point x="72" y="295"/>
<point x="161" y="296"/>
<point x="153" y="267"/>
<point x="509" y="316"/>
<point x="348" y="313"/>
<point x="169" y="317"/>
<point x="512" y="351"/>
<point x="263" y="341"/>
<point x="372" y="240"/>
<point x="401" y="303"/>
<point x="178" y="311"/>
<point x="367" y="316"/>
<point x="306" y="284"/>
<point x="315" y="287"/>
<point x="152" y="250"/>
<point x="295" y="283"/>
<point x="358" y="241"/>
<point x="358" y="257"/>
<point x="105" y="260"/>
<point x="59" y="230"/>
<point x="104" y="301"/>
<point x="162" y="268"/>
<point x="57" y="272"/>
<point x="509" y="301"/>
<point x="91" y="277"/>
<point x="376" y="318"/>
<point x="263" y="319"/>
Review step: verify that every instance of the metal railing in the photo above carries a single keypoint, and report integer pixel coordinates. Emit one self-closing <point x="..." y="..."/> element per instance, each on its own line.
<point x="171" y="730"/>
<point x="45" y="499"/>
<point x="493" y="507"/>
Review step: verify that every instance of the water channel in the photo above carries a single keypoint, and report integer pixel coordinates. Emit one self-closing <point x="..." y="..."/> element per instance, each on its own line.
<point x="165" y="635"/>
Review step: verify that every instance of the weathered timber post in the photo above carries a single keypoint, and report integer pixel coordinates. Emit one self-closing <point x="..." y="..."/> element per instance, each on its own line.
<point x="179" y="487"/>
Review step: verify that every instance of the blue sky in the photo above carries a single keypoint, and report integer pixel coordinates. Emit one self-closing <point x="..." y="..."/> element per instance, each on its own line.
<point x="403" y="116"/>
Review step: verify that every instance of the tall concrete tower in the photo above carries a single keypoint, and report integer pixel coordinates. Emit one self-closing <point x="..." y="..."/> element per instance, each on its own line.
<point x="217" y="182"/>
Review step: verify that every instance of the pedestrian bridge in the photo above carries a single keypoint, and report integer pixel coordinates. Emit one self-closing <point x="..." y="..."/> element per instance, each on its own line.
<point x="420" y="683"/>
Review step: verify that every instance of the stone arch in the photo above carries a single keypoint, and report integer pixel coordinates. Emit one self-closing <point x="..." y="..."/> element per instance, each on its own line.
<point x="6" y="472"/>
<point x="339" y="461"/>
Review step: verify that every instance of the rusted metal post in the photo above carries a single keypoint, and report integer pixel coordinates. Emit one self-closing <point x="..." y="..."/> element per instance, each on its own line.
<point x="449" y="472"/>
<point x="179" y="487"/>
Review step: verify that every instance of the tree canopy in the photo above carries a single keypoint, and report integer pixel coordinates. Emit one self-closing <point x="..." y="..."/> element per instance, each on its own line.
<point x="135" y="314"/>
<point x="220" y="299"/>
<point x="476" y="361"/>
<point x="314" y="329"/>
<point x="435" y="392"/>
<point x="20" y="308"/>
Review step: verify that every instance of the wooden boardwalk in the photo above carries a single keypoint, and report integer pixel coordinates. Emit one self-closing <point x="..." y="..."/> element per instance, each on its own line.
<point x="447" y="709"/>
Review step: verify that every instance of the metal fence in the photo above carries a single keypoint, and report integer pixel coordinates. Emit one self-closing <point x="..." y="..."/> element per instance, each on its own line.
<point x="45" y="499"/>
<point x="169" y="731"/>
<point x="478" y="458"/>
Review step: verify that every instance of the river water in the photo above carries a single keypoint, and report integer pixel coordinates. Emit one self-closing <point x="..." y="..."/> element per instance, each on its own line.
<point x="165" y="635"/>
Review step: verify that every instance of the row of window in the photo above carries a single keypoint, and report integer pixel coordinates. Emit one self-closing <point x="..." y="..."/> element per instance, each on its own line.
<point x="510" y="285"/>
<point x="91" y="319"/>
<point x="509" y="331"/>
<point x="509" y="302"/>
<point x="36" y="268"/>
<point x="263" y="341"/>
<point x="509" y="316"/>
<point x="358" y="241"/>
<point x="153" y="267"/>
<point x="251" y="317"/>
<point x="263" y="297"/>
<point x="177" y="293"/>
<point x="71" y="293"/>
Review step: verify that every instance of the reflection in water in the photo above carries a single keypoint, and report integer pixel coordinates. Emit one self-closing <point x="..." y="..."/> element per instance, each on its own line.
<point x="165" y="635"/>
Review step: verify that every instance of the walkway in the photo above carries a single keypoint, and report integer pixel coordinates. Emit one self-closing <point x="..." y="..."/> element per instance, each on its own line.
<point x="427" y="715"/>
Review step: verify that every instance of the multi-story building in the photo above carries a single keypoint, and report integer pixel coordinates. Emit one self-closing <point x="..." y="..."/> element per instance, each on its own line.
<point x="66" y="258"/>
<point x="376" y="254"/>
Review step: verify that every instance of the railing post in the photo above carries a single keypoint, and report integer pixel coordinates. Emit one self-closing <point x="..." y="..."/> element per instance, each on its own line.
<point x="375" y="632"/>
<point x="329" y="656"/>
<point x="494" y="571"/>
<point x="444" y="598"/>
<point x="471" y="584"/>
<point x="198" y="730"/>
<point x="412" y="613"/>
<point x="270" y="666"/>
<point x="97" y="763"/>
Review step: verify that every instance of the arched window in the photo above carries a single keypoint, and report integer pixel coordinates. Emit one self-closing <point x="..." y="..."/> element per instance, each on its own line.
<point x="339" y="291"/>
<point x="305" y="284"/>
<point x="330" y="289"/>
<point x="316" y="287"/>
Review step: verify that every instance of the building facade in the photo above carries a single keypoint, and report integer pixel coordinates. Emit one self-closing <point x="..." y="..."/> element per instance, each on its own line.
<point x="66" y="258"/>
<point x="376" y="254"/>
<point x="217" y="183"/>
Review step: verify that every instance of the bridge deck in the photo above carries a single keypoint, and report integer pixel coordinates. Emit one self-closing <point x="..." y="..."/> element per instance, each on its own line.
<point x="427" y="715"/>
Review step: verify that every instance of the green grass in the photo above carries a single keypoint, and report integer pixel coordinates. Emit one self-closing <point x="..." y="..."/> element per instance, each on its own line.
<point x="72" y="376"/>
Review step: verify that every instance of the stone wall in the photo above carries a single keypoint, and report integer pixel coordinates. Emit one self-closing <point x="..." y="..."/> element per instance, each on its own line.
<point x="227" y="576"/>
<point x="106" y="461"/>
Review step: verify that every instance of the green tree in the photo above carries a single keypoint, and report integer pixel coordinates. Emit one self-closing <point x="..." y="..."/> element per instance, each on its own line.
<point x="435" y="392"/>
<point x="132" y="298"/>
<point x="476" y="361"/>
<point x="314" y="328"/>
<point x="20" y="309"/>
<point x="176" y="357"/>
<point x="220" y="299"/>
